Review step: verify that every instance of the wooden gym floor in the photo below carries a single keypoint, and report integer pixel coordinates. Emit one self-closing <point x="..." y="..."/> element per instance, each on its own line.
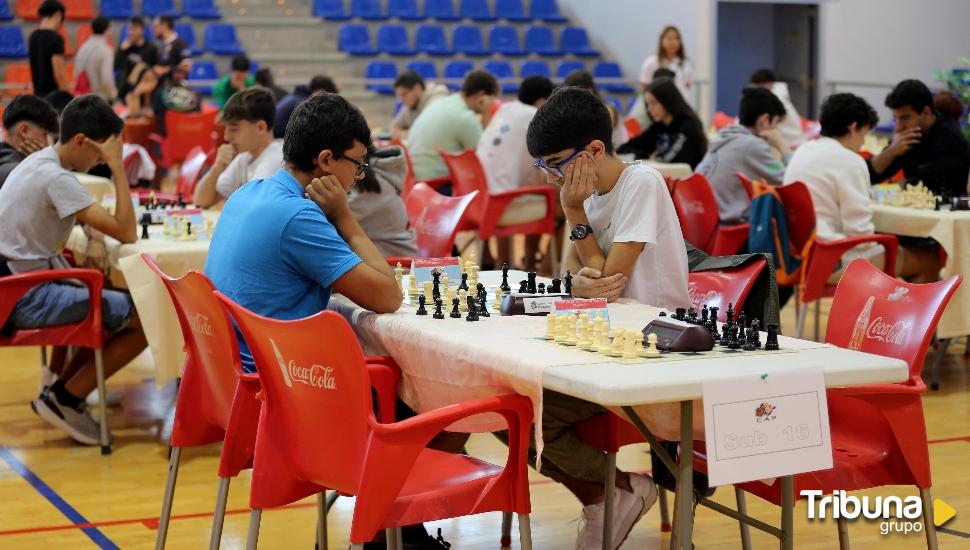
<point x="56" y="494"/>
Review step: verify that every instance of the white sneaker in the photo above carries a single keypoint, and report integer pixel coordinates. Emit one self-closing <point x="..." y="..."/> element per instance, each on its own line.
<point x="75" y="421"/>
<point x="114" y="397"/>
<point x="628" y="508"/>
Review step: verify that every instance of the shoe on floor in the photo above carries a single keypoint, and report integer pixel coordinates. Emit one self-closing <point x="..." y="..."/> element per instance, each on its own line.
<point x="114" y="397"/>
<point x="47" y="377"/>
<point x="628" y="508"/>
<point x="77" y="422"/>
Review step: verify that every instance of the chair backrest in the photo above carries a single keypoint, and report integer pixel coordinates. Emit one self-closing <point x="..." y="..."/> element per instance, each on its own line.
<point x="78" y="9"/>
<point x="392" y="38"/>
<point x="367" y="9"/>
<point x="154" y="8"/>
<point x="575" y="39"/>
<point x="475" y="9"/>
<point x="132" y="163"/>
<point x="567" y="67"/>
<point x="27" y="9"/>
<point x="504" y="39"/>
<point x="440" y="9"/>
<point x="201" y="9"/>
<point x="467" y="176"/>
<point x="316" y="393"/>
<point x="747" y="184"/>
<point x="204" y="69"/>
<point x="722" y="120"/>
<point x="190" y="170"/>
<point x="329" y="9"/>
<point x="499" y="68"/>
<point x="353" y="37"/>
<point x="544" y="9"/>
<point x="88" y="332"/>
<point x="186" y="32"/>
<point x="220" y="33"/>
<point x="17" y="79"/>
<point x="468" y="39"/>
<point x="457" y="69"/>
<point x="876" y="313"/>
<point x="436" y="219"/>
<point x="12" y="42"/>
<point x="117" y="9"/>
<point x="800" y="213"/>
<point x="403" y="9"/>
<point x="510" y="9"/>
<point x="539" y="39"/>
<point x="430" y="39"/>
<point x="696" y="209"/>
<point x="531" y="68"/>
<point x="188" y="130"/>
<point x="607" y="69"/>
<point x="5" y="13"/>
<point x="427" y="69"/>
<point x="723" y="287"/>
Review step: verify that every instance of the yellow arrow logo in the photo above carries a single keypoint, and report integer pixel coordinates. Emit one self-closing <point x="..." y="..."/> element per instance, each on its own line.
<point x="942" y="512"/>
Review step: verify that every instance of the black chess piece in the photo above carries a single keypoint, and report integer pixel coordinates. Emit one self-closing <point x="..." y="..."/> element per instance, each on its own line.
<point x="756" y="333"/>
<point x="181" y="201"/>
<point x="541" y="288"/>
<point x="472" y="309"/>
<point x="421" y="304"/>
<point x="483" y="305"/>
<point x="704" y="312"/>
<point x="505" y="278"/>
<point x="771" y="342"/>
<point x="729" y="315"/>
<point x="569" y="283"/>
<point x="712" y="320"/>
<point x="555" y="287"/>
<point x="438" y="313"/>
<point x="436" y="281"/>
<point x="692" y="316"/>
<point x="146" y="220"/>
<point x="523" y="287"/>
<point x="742" y="320"/>
<point x="532" y="283"/>
<point x="455" y="310"/>
<point x="733" y="341"/>
<point x="188" y="228"/>
<point x="749" y="339"/>
<point x="663" y="314"/>
<point x="680" y="313"/>
<point x="480" y="291"/>
<point x="464" y="282"/>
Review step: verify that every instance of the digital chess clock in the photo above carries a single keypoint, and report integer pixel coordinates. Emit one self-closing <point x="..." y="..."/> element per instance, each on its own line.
<point x="678" y="337"/>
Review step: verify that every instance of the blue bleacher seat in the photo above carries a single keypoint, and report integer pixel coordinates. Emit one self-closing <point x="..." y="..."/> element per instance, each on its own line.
<point x="117" y="9"/>
<point x="576" y="41"/>
<point x="221" y="39"/>
<point x="12" y="43"/>
<point x="540" y="40"/>
<point x="406" y="10"/>
<point x="187" y="33"/>
<point x="369" y="10"/>
<point x="385" y="71"/>
<point x="504" y="39"/>
<point x="355" y="40"/>
<point x="426" y="69"/>
<point x="502" y="70"/>
<point x="547" y="10"/>
<point x="442" y="10"/>
<point x="123" y="33"/>
<point x="5" y="14"/>
<point x="468" y="40"/>
<point x="203" y="69"/>
<point x="540" y="68"/>
<point x="455" y="72"/>
<point x="201" y="9"/>
<point x="393" y="39"/>
<point x="565" y="68"/>
<point x="431" y="40"/>
<point x="334" y="10"/>
<point x="154" y="8"/>
<point x="611" y="70"/>
<point x="476" y="10"/>
<point x="511" y="10"/>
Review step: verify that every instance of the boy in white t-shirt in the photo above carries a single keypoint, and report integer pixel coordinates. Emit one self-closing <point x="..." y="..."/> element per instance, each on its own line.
<point x="250" y="152"/>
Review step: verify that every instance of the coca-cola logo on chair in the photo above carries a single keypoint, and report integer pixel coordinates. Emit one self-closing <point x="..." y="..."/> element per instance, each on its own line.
<point x="697" y="299"/>
<point x="315" y="376"/>
<point x="888" y="331"/>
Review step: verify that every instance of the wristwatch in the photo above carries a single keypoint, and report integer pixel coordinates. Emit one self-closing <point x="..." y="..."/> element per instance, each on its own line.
<point x="580" y="232"/>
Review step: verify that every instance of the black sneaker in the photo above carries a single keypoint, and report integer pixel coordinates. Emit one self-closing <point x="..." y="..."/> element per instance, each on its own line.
<point x="76" y="421"/>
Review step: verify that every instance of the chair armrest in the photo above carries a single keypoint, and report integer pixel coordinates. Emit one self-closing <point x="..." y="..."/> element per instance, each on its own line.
<point x="826" y="255"/>
<point x="841" y="246"/>
<point x="435" y="183"/>
<point x="384" y="380"/>
<point x="403" y="260"/>
<point x="878" y="389"/>
<point x="420" y="429"/>
<point x="13" y="287"/>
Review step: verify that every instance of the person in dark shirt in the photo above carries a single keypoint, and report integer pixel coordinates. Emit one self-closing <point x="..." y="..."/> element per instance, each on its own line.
<point x="286" y="106"/>
<point x="926" y="146"/>
<point x="675" y="133"/>
<point x="31" y="125"/>
<point x="45" y="48"/>
<point x="173" y="50"/>
<point x="134" y="50"/>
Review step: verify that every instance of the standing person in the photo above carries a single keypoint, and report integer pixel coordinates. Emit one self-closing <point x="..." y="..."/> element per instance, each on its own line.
<point x="790" y="126"/>
<point x="414" y="95"/>
<point x="95" y="62"/>
<point x="237" y="79"/>
<point x="264" y="78"/>
<point x="670" y="55"/>
<point x="675" y="133"/>
<point x="45" y="48"/>
<point x="134" y="51"/>
<point x="286" y="106"/>
<point x="31" y="125"/>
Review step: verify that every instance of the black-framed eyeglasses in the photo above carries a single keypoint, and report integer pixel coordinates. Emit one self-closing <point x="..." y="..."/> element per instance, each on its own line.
<point x="361" y="166"/>
<point x="556" y="170"/>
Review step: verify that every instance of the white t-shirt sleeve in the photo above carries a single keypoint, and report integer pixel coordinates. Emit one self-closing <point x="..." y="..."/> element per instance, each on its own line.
<point x="637" y="216"/>
<point x="68" y="195"/>
<point x="650" y="65"/>
<point x="854" y="201"/>
<point x="234" y="175"/>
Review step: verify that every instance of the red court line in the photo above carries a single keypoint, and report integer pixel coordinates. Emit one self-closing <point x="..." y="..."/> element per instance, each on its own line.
<point x="965" y="438"/>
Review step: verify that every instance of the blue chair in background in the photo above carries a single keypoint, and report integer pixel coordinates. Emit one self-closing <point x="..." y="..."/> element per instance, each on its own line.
<point x="5" y="13"/>
<point x="393" y="40"/>
<point x="431" y="40"/>
<point x="540" y="40"/>
<point x="205" y="70"/>
<point x="355" y="40"/>
<point x="455" y="72"/>
<point x="221" y="39"/>
<point x="155" y="8"/>
<point x="576" y="41"/>
<point x="187" y="32"/>
<point x="405" y="10"/>
<point x="476" y="10"/>
<point x="369" y="10"/>
<point x="468" y="40"/>
<point x="442" y="10"/>
<point x="566" y="68"/>
<point x="502" y="70"/>
<point x="511" y="10"/>
<point x="504" y="40"/>
<point x="333" y="10"/>
<point x="12" y="43"/>
<point x="426" y="69"/>
<point x="530" y="68"/>
<point x="547" y="10"/>
<point x="611" y="70"/>
<point x="201" y="9"/>
<point x="117" y="9"/>
<point x="380" y="76"/>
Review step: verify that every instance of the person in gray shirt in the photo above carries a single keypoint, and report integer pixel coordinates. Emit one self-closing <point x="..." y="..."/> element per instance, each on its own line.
<point x="376" y="203"/>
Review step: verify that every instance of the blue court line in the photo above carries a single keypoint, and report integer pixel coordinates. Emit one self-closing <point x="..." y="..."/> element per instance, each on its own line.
<point x="62" y="506"/>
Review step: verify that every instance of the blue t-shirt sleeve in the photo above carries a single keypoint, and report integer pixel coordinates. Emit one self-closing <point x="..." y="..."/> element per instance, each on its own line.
<point x="313" y="247"/>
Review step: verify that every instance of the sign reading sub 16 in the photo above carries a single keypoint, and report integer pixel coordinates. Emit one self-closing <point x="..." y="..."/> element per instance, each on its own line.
<point x="758" y="427"/>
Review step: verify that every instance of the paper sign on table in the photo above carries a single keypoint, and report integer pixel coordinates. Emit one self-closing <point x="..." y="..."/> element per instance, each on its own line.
<point x="194" y="216"/>
<point x="766" y="426"/>
<point x="595" y="307"/>
<point x="539" y="304"/>
<point x="421" y="269"/>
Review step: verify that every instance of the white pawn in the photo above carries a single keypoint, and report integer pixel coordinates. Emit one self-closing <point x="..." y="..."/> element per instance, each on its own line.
<point x="412" y="285"/>
<point x="616" y="349"/>
<point x="652" y="351"/>
<point x="603" y="346"/>
<point x="585" y="340"/>
<point x="497" y="304"/>
<point x="429" y="292"/>
<point x="399" y="276"/>
<point x="443" y="285"/>
<point x="561" y="334"/>
<point x="596" y="335"/>
<point x="638" y="343"/>
<point x="629" y="346"/>
<point x="551" y="326"/>
<point x="462" y="301"/>
<point x="572" y="324"/>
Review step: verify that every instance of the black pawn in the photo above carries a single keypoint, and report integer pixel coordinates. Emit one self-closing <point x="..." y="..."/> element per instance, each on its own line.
<point x="472" y="309"/>
<point x="692" y="316"/>
<point x="756" y="333"/>
<point x="541" y="288"/>
<point x="188" y="228"/>
<point x="749" y="340"/>
<point x="464" y="282"/>
<point x="569" y="283"/>
<point x="483" y="306"/>
<point x="505" y="278"/>
<point x="726" y="333"/>
<point x="771" y="342"/>
<point x="146" y="220"/>
<point x="704" y="313"/>
<point x="181" y="201"/>
<point x="555" y="287"/>
<point x="733" y="341"/>
<point x="680" y="314"/>
<point x="455" y="310"/>
<point x="712" y="319"/>
<point x="438" y="313"/>
<point x="421" y="309"/>
<point x="523" y="287"/>
<point x="532" y="282"/>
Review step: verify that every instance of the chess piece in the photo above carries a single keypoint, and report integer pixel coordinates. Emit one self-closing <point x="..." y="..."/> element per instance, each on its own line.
<point x="663" y="314"/>
<point x="455" y="309"/>
<point x="473" y="278"/>
<point x="523" y="287"/>
<point x="483" y="305"/>
<point x="463" y="300"/>
<point x="181" y="201"/>
<point x="712" y="323"/>
<point x="472" y="310"/>
<point x="438" y="313"/>
<point x="704" y="313"/>
<point x="497" y="304"/>
<point x="692" y="316"/>
<point x="505" y="278"/>
<point x="603" y="346"/>
<point x="680" y="314"/>
<point x="541" y="289"/>
<point x="464" y="282"/>
<point x="560" y="328"/>
<point x="450" y="294"/>
<point x="531" y="286"/>
<point x="445" y="283"/>
<point x="749" y="338"/>
<point x="550" y="327"/>
<point x="399" y="276"/>
<point x="651" y="352"/>
<point x="616" y="348"/>
<point x="742" y="321"/>
<point x="472" y="260"/>
<point x="771" y="342"/>
<point x="729" y="315"/>
<point x="436" y="284"/>
<point x="585" y="335"/>
<point x="733" y="342"/>
<point x="756" y="333"/>
<point x="596" y="334"/>
<point x="629" y="346"/>
<point x="146" y="220"/>
<point x="568" y="289"/>
<point x="638" y="343"/>
<point x="571" y="325"/>
<point x="555" y="287"/>
<point x="421" y="303"/>
<point x="412" y="285"/>
<point x="428" y="292"/>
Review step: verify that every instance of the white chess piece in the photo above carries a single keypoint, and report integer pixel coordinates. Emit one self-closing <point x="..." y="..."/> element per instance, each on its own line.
<point x="638" y="343"/>
<point x="561" y="322"/>
<point x="399" y="276"/>
<point x="616" y="349"/>
<point x="412" y="285"/>
<point x="652" y="351"/>
<point x="429" y="292"/>
<point x="629" y="345"/>
<point x="497" y="304"/>
<point x="571" y="326"/>
<point x="462" y="301"/>
<point x="551" y="326"/>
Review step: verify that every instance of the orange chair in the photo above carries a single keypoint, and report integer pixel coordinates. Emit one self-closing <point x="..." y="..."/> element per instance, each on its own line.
<point x="27" y="9"/>
<point x="88" y="333"/>
<point x="312" y="369"/>
<point x="435" y="219"/>
<point x="18" y="80"/>
<point x="633" y="128"/>
<point x="722" y="120"/>
<point x="138" y="131"/>
<point x="190" y="170"/>
<point x="79" y="9"/>
<point x="696" y="209"/>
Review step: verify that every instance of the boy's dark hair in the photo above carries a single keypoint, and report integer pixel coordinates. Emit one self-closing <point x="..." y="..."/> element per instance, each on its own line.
<point x="479" y="81"/>
<point x="322" y="121"/>
<point x="167" y="20"/>
<point x="534" y="88"/>
<point x="30" y="108"/>
<point x="100" y="24"/>
<point x="264" y="77"/>
<point x="137" y="20"/>
<point x="571" y="117"/>
<point x="321" y="82"/>
<point x="580" y="79"/>
<point x="756" y="102"/>
<point x="667" y="94"/>
<point x="48" y="8"/>
<point x="239" y="63"/>
<point x="251" y="105"/>
<point x="910" y="93"/>
<point x="409" y="79"/>
<point x="92" y="116"/>
<point x="58" y="99"/>
<point x="762" y="76"/>
<point x="841" y="110"/>
<point x="664" y="72"/>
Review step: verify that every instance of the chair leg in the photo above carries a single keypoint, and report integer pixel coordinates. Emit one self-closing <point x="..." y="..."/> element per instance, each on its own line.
<point x="928" y="526"/>
<point x="800" y="326"/>
<point x="664" y="510"/>
<point x="173" y="472"/>
<point x="818" y="318"/>
<point x="843" y="527"/>
<point x="252" y="538"/>
<point x="743" y="509"/>
<point x="394" y="539"/>
<point x="609" y="492"/>
<point x="43" y="356"/>
<point x="102" y="406"/>
<point x="322" y="508"/>
<point x="937" y="360"/>
<point x="506" y="529"/>
<point x="966" y="348"/>
<point x="525" y="532"/>
<point x="218" y="518"/>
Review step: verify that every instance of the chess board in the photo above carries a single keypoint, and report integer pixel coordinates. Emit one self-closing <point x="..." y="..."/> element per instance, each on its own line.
<point x="718" y="351"/>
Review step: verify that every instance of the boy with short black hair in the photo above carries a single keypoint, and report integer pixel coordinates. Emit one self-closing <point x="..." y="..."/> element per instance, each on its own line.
<point x="31" y="125"/>
<point x="45" y="48"/>
<point x="790" y="127"/>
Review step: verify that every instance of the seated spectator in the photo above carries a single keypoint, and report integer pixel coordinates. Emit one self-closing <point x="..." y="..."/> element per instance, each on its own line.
<point x="451" y="124"/>
<point x="95" y="61"/>
<point x="237" y="79"/>
<point x="927" y="147"/>
<point x="377" y="204"/>
<point x="675" y="133"/>
<point x="746" y="148"/>
<point x="584" y="79"/>
<point x="31" y="125"/>
<point x="790" y="126"/>
<point x="250" y="152"/>
<point x="286" y="106"/>
<point x="133" y="51"/>
<point x="39" y="205"/>
<point x="264" y="78"/>
<point x="414" y="95"/>
<point x="507" y="163"/>
<point x="174" y="52"/>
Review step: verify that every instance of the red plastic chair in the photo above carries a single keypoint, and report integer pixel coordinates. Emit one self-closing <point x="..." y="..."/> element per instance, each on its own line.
<point x="190" y="170"/>
<point x="88" y="333"/>
<point x="696" y="209"/>
<point x="312" y="369"/>
<point x="722" y="120"/>
<point x="79" y="9"/>
<point x="633" y="128"/>
<point x="138" y="131"/>
<point x="132" y="164"/>
<point x="747" y="184"/>
<point x="17" y="79"/>
<point x="186" y="131"/>
<point x="436" y="220"/>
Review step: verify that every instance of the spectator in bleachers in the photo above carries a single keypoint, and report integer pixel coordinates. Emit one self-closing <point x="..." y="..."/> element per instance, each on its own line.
<point x="415" y="94"/>
<point x="237" y="79"/>
<point x="506" y="161"/>
<point x="264" y="78"/>
<point x="45" y="48"/>
<point x="584" y="79"/>
<point x="376" y="203"/>
<point x="133" y="51"/>
<point x="95" y="60"/>
<point x="790" y="126"/>
<point x="747" y="148"/>
<point x="39" y="205"/>
<point x="926" y="146"/>
<point x="174" y="53"/>
<point x="675" y="133"/>
<point x="287" y="105"/>
<point x="452" y="124"/>
<point x="670" y="55"/>
<point x="250" y="152"/>
<point x="31" y="125"/>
